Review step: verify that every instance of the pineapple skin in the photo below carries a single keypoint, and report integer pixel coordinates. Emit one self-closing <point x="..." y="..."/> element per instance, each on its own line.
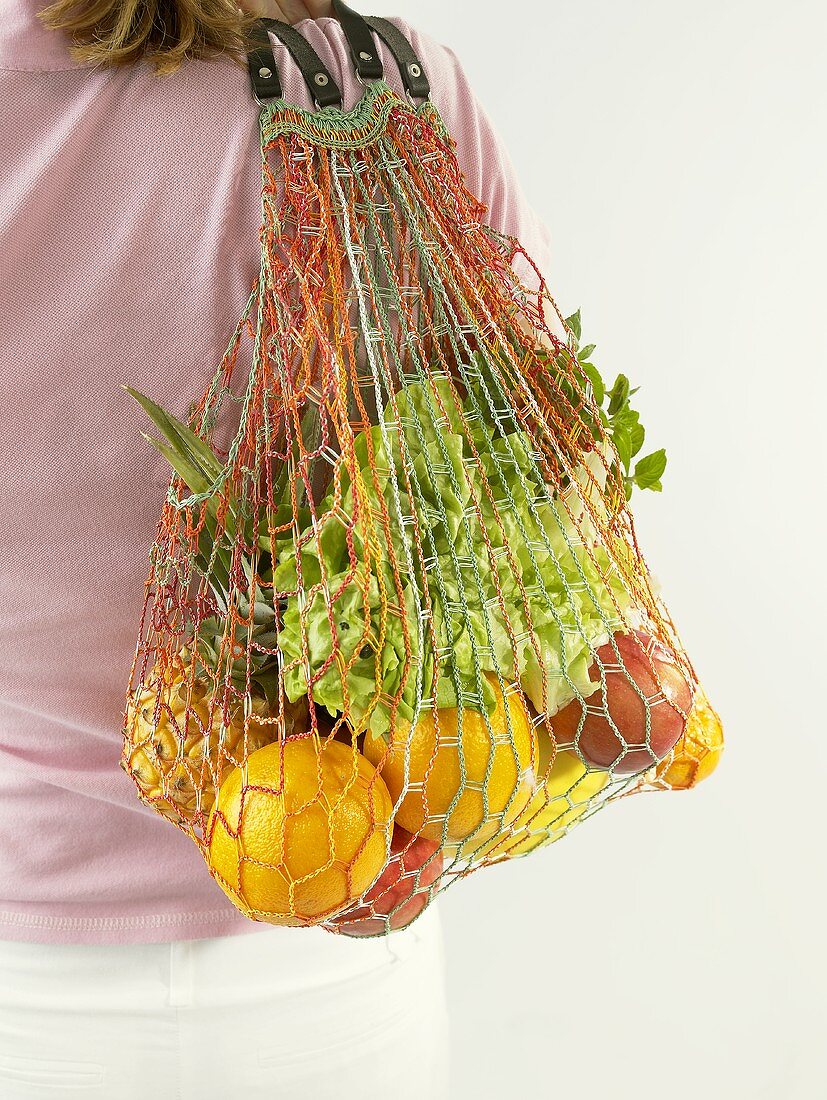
<point x="177" y="759"/>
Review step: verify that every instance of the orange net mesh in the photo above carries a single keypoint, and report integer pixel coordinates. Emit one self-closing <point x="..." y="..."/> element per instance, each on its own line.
<point x="397" y="625"/>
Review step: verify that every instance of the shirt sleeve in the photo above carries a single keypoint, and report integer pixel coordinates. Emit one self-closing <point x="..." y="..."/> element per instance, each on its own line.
<point x="482" y="155"/>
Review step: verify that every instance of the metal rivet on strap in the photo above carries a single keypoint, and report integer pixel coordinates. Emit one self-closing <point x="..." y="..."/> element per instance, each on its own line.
<point x="321" y="80"/>
<point x="366" y="56"/>
<point x="265" y="73"/>
<point x="414" y="70"/>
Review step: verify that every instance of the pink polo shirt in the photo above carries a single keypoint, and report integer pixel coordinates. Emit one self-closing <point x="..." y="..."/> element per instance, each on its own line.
<point x="129" y="221"/>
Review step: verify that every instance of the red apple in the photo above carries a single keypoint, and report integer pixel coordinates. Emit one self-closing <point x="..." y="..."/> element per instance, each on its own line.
<point x="645" y="668"/>
<point x="395" y="887"/>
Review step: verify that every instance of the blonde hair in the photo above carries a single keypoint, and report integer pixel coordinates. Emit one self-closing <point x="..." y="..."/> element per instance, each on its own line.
<point x="112" y="33"/>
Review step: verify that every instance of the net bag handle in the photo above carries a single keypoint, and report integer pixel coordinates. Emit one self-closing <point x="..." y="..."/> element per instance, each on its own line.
<point x="323" y="87"/>
<point x="261" y="62"/>
<point x="413" y="75"/>
<point x="360" y="42"/>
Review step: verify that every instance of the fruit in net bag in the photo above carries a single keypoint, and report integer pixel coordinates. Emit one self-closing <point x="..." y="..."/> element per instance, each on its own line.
<point x="401" y="892"/>
<point x="565" y="790"/>
<point x="299" y="831"/>
<point x="638" y="716"/>
<point x="424" y="767"/>
<point x="172" y="759"/>
<point x="698" y="752"/>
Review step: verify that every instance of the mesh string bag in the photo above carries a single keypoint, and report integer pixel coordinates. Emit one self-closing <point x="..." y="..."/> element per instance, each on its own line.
<point x="397" y="625"/>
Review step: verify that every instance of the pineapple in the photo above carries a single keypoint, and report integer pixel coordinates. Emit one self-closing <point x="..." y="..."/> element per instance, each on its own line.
<point x="178" y="761"/>
<point x="178" y="749"/>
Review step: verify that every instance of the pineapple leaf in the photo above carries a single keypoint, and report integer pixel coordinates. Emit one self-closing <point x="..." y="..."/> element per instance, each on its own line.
<point x="219" y="575"/>
<point x="192" y="477"/>
<point x="186" y="451"/>
<point x="182" y="438"/>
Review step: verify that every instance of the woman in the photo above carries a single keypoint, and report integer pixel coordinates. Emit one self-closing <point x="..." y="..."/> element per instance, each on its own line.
<point x="130" y="215"/>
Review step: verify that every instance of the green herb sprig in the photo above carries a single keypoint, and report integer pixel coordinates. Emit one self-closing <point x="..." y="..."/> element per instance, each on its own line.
<point x="621" y="420"/>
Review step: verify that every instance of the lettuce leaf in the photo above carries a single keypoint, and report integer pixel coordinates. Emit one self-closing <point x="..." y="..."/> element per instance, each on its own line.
<point x="446" y="535"/>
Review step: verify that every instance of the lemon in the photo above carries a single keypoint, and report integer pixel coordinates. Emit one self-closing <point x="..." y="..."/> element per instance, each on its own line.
<point x="566" y="793"/>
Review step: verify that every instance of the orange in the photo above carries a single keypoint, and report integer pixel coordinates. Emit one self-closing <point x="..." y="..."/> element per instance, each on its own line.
<point x="697" y="754"/>
<point x="300" y="831"/>
<point x="569" y="789"/>
<point x="431" y="779"/>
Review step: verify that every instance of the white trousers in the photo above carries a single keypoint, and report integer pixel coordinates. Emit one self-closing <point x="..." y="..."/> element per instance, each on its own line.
<point x="279" y="1013"/>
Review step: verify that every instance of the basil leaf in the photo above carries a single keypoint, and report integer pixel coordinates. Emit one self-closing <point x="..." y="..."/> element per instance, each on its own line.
<point x="622" y="437"/>
<point x="593" y="375"/>
<point x="573" y="323"/>
<point x="619" y="394"/>
<point x="649" y="471"/>
<point x="638" y="437"/>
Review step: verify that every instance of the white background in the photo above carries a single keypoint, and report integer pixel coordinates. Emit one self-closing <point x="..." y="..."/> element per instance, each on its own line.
<point x="674" y="945"/>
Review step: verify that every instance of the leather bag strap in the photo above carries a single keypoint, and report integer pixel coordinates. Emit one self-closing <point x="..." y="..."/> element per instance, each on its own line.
<point x="261" y="62"/>
<point x="323" y="88"/>
<point x="413" y="75"/>
<point x="360" y="42"/>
